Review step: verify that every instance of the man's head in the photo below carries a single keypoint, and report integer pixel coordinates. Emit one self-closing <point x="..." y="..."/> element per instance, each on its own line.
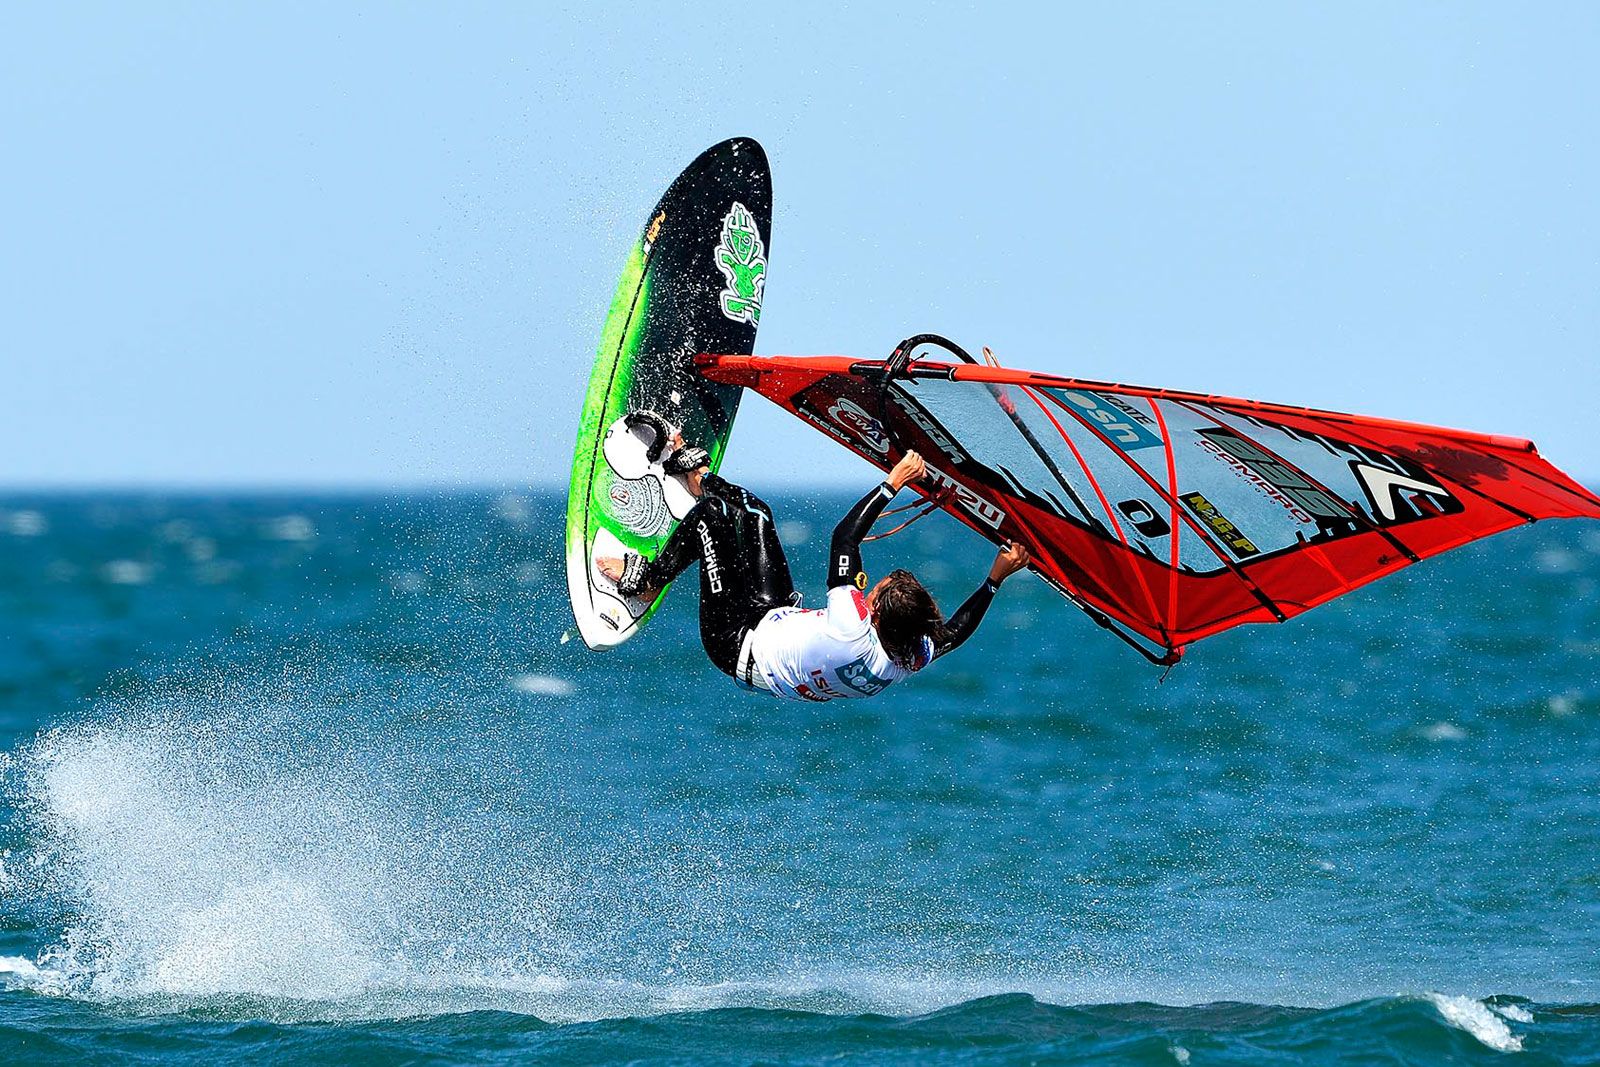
<point x="906" y="618"/>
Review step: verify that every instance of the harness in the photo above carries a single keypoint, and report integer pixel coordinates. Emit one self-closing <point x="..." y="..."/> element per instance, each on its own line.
<point x="745" y="673"/>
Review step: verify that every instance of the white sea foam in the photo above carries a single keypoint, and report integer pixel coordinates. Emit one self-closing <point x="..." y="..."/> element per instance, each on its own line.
<point x="543" y="685"/>
<point x="407" y="582"/>
<point x="196" y="891"/>
<point x="1443" y="731"/>
<point x="17" y="967"/>
<point x="319" y="863"/>
<point x="794" y="532"/>
<point x="1557" y="561"/>
<point x="223" y="858"/>
<point x="228" y="857"/>
<point x="18" y="972"/>
<point x="127" y="572"/>
<point x="289" y="528"/>
<point x="1515" y="1012"/>
<point x="23" y="523"/>
<point x="1476" y="1019"/>
<point x="513" y="508"/>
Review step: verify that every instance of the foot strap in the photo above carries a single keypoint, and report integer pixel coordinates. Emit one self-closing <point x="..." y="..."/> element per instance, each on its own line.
<point x="635" y="419"/>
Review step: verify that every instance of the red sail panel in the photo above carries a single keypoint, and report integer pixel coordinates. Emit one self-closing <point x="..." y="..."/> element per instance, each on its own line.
<point x="1177" y="515"/>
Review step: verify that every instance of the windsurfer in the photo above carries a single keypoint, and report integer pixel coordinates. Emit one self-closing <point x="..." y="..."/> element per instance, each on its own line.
<point x="750" y="621"/>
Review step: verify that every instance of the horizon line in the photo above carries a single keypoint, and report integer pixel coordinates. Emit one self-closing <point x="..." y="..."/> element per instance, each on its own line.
<point x="354" y="487"/>
<point x="340" y="487"/>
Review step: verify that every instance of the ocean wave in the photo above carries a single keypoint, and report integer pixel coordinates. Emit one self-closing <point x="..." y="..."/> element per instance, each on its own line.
<point x="907" y="1003"/>
<point x="1477" y="1019"/>
<point x="996" y="1029"/>
<point x="191" y="856"/>
<point x="259" y="853"/>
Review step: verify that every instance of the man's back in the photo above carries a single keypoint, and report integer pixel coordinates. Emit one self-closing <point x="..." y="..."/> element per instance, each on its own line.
<point x="823" y="654"/>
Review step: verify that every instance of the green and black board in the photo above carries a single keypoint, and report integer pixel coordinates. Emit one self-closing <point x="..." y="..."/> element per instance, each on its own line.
<point x="693" y="283"/>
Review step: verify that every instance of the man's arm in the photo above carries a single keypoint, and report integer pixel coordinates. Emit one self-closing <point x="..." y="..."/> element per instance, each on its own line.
<point x="1011" y="559"/>
<point x="637" y="576"/>
<point x="845" y="552"/>
<point x="844" y="566"/>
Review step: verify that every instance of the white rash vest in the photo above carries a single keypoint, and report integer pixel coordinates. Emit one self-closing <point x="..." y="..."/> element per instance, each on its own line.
<point x="823" y="654"/>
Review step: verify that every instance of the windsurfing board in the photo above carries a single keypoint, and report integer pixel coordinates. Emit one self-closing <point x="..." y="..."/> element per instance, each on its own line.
<point x="693" y="283"/>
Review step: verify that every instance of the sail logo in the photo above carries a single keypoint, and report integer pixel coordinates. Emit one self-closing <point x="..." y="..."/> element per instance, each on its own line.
<point x="925" y="422"/>
<point x="850" y="416"/>
<point x="1386" y="490"/>
<point x="1117" y="422"/>
<point x="1229" y="534"/>
<point x="1144" y="518"/>
<point x="742" y="259"/>
<point x="1304" y="499"/>
<point x="971" y="502"/>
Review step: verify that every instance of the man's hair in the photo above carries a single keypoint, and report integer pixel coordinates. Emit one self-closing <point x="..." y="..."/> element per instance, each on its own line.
<point x="903" y="613"/>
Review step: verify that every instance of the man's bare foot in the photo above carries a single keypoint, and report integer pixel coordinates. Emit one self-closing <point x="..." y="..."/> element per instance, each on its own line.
<point x="612" y="568"/>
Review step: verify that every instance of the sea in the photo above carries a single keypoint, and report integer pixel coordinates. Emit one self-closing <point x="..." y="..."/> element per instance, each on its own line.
<point x="301" y="778"/>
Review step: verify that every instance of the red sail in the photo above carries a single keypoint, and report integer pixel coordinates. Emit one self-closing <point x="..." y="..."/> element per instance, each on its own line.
<point x="1173" y="515"/>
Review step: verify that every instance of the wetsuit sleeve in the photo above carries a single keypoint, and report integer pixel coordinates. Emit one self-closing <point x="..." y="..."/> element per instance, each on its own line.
<point x="965" y="621"/>
<point x="681" y="549"/>
<point x="844" y="567"/>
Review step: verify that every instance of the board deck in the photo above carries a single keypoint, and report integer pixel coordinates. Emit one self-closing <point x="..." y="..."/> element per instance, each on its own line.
<point x="693" y="283"/>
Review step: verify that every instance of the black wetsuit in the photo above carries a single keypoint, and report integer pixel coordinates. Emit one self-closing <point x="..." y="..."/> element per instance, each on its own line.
<point x="744" y="573"/>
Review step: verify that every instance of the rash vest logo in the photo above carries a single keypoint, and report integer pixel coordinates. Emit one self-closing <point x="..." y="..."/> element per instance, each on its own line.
<point x="742" y="258"/>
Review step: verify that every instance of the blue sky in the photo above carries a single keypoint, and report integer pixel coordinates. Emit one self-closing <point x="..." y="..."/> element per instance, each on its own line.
<point x="289" y="246"/>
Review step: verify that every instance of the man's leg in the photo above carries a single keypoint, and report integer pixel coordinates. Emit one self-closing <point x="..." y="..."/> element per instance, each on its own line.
<point x="743" y="573"/>
<point x="726" y="608"/>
